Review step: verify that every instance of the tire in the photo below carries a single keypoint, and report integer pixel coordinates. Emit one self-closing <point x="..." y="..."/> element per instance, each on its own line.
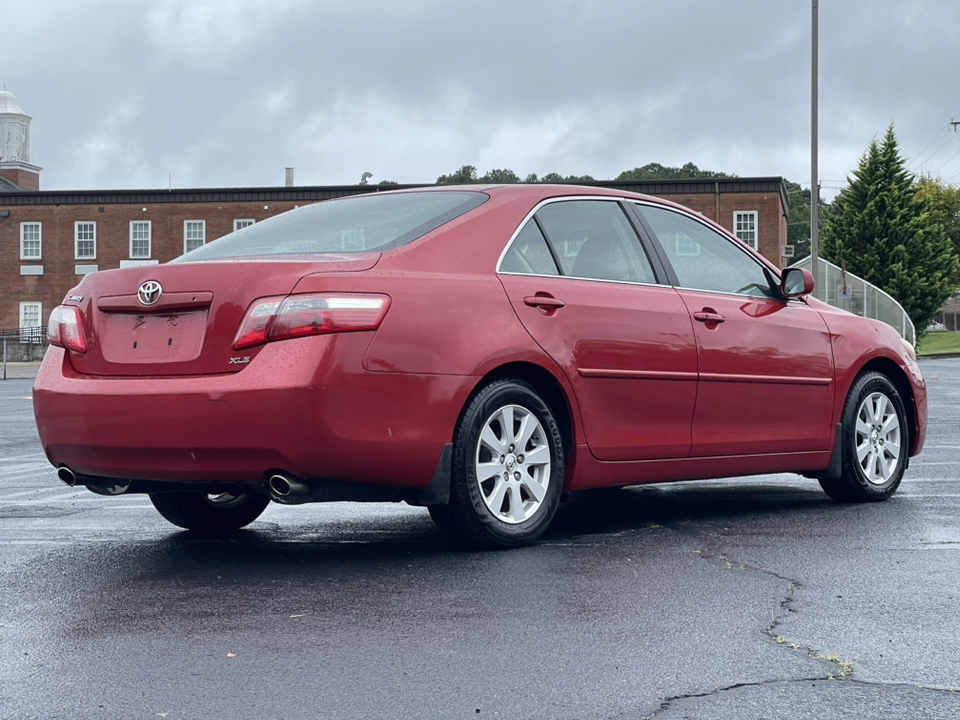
<point x="212" y="513"/>
<point x="875" y="438"/>
<point x="508" y="468"/>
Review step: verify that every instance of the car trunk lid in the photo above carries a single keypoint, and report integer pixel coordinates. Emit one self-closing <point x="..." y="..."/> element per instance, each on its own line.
<point x="180" y="319"/>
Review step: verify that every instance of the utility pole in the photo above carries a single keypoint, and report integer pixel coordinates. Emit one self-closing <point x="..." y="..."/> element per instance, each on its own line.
<point x="814" y="180"/>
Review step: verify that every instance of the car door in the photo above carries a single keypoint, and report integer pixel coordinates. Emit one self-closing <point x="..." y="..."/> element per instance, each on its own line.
<point x="766" y="363"/>
<point x="583" y="287"/>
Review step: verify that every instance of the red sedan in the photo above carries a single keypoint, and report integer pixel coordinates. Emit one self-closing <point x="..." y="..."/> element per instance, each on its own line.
<point x="477" y="350"/>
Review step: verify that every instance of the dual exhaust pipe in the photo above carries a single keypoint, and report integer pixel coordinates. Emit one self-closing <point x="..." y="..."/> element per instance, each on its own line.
<point x="282" y="487"/>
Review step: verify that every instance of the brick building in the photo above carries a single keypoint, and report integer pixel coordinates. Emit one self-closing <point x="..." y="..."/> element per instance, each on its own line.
<point x="50" y="239"/>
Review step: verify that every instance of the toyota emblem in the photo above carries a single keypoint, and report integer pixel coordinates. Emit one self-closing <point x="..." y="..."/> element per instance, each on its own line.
<point x="149" y="293"/>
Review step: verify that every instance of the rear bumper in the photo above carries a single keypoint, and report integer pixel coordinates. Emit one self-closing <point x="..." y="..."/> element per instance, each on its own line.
<point x="304" y="406"/>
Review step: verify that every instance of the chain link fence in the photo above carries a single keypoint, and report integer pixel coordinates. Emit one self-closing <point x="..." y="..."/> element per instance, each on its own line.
<point x="845" y="290"/>
<point x="23" y="349"/>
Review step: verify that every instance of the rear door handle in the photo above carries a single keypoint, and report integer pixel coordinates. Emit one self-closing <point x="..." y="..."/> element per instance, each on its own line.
<point x="543" y="301"/>
<point x="704" y="316"/>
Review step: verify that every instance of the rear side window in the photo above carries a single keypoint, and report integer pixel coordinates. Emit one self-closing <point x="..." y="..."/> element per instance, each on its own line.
<point x="593" y="239"/>
<point x="529" y="254"/>
<point x="366" y="223"/>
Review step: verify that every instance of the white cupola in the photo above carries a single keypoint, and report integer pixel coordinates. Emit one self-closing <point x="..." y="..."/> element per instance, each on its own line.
<point x="14" y="130"/>
<point x="15" y="144"/>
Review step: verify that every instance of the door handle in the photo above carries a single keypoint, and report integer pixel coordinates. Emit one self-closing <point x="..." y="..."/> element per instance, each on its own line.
<point x="705" y="316"/>
<point x="543" y="301"/>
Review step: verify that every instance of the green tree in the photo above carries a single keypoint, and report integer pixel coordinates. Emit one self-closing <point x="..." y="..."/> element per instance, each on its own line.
<point x="496" y="177"/>
<point x="464" y="176"/>
<point x="886" y="232"/>
<point x="656" y="171"/>
<point x="945" y="206"/>
<point x="556" y="178"/>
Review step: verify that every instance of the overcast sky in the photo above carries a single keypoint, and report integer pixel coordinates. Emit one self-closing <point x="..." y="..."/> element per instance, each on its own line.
<point x="226" y="93"/>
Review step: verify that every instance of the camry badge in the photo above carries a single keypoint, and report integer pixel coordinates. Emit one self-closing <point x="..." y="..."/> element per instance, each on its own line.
<point x="149" y="293"/>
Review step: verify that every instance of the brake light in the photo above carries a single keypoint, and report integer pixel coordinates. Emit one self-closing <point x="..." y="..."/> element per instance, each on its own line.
<point x="279" y="318"/>
<point x="66" y="330"/>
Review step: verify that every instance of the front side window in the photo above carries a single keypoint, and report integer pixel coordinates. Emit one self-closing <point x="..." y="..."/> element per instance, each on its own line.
<point x="745" y="227"/>
<point x="717" y="265"/>
<point x="194" y="234"/>
<point x="593" y="239"/>
<point x="30" y="240"/>
<point x="140" y="231"/>
<point x="85" y="240"/>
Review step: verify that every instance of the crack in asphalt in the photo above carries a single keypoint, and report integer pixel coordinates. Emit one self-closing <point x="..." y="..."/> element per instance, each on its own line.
<point x="710" y="553"/>
<point x="668" y="703"/>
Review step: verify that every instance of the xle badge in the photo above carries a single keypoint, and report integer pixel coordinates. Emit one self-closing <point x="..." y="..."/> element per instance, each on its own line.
<point x="239" y="360"/>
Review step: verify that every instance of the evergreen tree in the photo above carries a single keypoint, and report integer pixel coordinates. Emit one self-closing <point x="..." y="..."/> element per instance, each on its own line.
<point x="885" y="232"/>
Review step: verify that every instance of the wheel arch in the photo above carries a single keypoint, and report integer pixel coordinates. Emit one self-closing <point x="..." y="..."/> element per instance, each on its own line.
<point x="895" y="374"/>
<point x="549" y="388"/>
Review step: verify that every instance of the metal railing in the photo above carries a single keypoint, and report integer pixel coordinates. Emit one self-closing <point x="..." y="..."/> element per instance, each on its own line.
<point x="854" y="294"/>
<point x="22" y="352"/>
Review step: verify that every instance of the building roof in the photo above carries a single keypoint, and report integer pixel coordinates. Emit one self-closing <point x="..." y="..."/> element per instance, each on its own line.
<point x="305" y="193"/>
<point x="7" y="186"/>
<point x="9" y="104"/>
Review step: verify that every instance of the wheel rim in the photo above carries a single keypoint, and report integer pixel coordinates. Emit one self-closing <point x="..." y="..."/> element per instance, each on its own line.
<point x="878" y="438"/>
<point x="513" y="464"/>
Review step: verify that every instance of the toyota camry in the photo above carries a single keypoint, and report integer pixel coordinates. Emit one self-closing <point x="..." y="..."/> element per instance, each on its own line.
<point x="481" y="351"/>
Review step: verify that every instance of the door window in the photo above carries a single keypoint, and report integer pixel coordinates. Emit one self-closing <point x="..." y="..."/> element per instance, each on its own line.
<point x="529" y="254"/>
<point x="590" y="239"/>
<point x="703" y="258"/>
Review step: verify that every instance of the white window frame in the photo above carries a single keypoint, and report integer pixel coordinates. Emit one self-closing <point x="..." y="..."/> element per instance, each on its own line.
<point x="149" y="239"/>
<point x="202" y="237"/>
<point x="77" y="239"/>
<point x="241" y="223"/>
<point x="751" y="236"/>
<point x="23" y="240"/>
<point x="686" y="246"/>
<point x="36" y="334"/>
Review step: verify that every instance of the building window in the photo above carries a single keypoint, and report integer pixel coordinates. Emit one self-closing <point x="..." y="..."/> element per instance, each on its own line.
<point x="241" y="224"/>
<point x="85" y="240"/>
<point x="30" y="234"/>
<point x="686" y="245"/>
<point x="140" y="239"/>
<point x="745" y="227"/>
<point x="31" y="314"/>
<point x="194" y="234"/>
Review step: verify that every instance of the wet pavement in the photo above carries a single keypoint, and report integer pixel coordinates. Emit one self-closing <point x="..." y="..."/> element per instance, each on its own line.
<point x="746" y="598"/>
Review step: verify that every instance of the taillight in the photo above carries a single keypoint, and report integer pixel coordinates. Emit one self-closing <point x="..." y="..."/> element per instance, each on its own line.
<point x="65" y="329"/>
<point x="279" y="318"/>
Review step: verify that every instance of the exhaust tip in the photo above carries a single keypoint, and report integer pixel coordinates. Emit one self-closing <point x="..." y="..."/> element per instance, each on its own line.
<point x="280" y="485"/>
<point x="67" y="476"/>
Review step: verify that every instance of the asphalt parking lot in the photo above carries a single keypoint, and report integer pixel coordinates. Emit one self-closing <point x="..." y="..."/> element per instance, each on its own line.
<point x="747" y="598"/>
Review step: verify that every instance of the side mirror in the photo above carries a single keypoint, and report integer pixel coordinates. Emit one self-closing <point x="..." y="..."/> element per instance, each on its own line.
<point x="796" y="282"/>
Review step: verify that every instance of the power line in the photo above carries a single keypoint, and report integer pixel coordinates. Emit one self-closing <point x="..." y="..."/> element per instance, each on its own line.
<point x="948" y="159"/>
<point x="920" y="154"/>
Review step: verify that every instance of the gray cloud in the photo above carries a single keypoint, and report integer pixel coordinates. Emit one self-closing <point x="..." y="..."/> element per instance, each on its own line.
<point x="229" y="92"/>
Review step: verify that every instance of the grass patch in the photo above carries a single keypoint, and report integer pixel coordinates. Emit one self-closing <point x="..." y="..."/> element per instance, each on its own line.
<point x="937" y="343"/>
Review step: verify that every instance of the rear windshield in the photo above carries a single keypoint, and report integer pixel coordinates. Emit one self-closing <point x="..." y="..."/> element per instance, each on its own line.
<point x="365" y="223"/>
